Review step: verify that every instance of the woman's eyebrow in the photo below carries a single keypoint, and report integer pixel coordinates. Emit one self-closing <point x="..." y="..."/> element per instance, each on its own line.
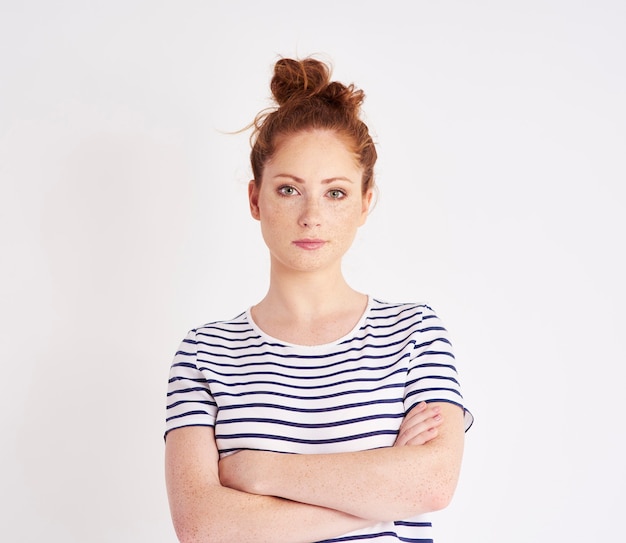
<point x="297" y="179"/>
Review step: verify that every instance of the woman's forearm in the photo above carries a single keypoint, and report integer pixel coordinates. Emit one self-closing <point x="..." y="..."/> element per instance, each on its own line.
<point x="382" y="484"/>
<point x="224" y="515"/>
<point x="204" y="511"/>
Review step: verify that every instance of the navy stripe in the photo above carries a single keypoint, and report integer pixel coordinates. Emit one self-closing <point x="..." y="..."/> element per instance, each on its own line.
<point x="195" y="402"/>
<point x="304" y="387"/>
<point x="260" y="354"/>
<point x="363" y="537"/>
<point x="412" y="523"/>
<point x="314" y="425"/>
<point x="441" y="389"/>
<point x="187" y="390"/>
<point x="441" y="377"/>
<point x="290" y="439"/>
<point x="310" y="410"/>
<point x="309" y="377"/>
<point x="186" y="414"/>
<point x="322" y="397"/>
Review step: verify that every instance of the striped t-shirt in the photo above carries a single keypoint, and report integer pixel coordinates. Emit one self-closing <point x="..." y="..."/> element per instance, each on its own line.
<point x="262" y="393"/>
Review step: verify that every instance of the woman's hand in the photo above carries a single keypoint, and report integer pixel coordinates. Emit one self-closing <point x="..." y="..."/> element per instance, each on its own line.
<point x="420" y="425"/>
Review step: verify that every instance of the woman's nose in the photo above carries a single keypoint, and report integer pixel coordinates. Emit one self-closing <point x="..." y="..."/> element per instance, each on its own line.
<point x="310" y="215"/>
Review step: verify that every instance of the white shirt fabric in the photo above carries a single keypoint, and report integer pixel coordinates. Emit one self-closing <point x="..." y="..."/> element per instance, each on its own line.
<point x="262" y="393"/>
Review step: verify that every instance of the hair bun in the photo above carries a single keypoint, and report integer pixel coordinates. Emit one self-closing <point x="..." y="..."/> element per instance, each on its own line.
<point x="296" y="80"/>
<point x="308" y="100"/>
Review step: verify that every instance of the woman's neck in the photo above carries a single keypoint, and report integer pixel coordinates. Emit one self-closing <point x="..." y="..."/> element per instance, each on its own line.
<point x="309" y="308"/>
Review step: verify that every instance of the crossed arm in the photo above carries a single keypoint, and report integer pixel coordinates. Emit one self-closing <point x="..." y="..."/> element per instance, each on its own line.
<point x="259" y="496"/>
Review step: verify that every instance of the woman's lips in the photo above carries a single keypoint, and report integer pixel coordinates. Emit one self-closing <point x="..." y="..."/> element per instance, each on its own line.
<point x="309" y="244"/>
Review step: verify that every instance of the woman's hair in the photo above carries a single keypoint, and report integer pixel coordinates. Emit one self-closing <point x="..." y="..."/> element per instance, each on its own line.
<point x="308" y="100"/>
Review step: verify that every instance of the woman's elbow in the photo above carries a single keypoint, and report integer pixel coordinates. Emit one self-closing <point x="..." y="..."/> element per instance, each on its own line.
<point x="190" y="530"/>
<point x="206" y="530"/>
<point x="440" y="492"/>
<point x="187" y="531"/>
<point x="439" y="500"/>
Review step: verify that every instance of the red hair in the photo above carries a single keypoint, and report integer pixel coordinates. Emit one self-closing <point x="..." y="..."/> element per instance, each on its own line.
<point x="308" y="100"/>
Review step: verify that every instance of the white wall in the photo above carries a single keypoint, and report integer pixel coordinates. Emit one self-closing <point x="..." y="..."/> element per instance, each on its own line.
<point x="124" y="222"/>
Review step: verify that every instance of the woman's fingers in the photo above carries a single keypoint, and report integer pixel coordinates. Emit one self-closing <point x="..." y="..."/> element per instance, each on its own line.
<point x="420" y="425"/>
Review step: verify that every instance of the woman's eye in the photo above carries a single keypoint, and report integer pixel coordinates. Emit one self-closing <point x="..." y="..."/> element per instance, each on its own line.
<point x="336" y="194"/>
<point x="287" y="190"/>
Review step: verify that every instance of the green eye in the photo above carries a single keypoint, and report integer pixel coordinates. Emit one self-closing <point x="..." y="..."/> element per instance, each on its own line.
<point x="287" y="190"/>
<point x="336" y="194"/>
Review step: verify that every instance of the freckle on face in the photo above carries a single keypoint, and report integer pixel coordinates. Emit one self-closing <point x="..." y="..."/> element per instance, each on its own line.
<point x="314" y="163"/>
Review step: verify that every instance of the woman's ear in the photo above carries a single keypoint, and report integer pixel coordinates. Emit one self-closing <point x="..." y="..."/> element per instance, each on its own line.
<point x="253" y="199"/>
<point x="367" y="202"/>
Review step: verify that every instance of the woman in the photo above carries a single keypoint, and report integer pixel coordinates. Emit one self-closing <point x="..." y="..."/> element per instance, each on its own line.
<point x="362" y="394"/>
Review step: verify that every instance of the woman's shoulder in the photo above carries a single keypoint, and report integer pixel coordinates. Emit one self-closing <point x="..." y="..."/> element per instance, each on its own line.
<point x="410" y="314"/>
<point x="384" y="307"/>
<point x="222" y="328"/>
<point x="236" y="321"/>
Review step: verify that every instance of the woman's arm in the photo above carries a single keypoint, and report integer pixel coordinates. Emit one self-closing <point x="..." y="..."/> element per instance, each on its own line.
<point x="205" y="511"/>
<point x="380" y="484"/>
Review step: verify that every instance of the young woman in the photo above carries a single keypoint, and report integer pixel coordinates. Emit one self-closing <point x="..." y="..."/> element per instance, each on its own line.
<point x="320" y="413"/>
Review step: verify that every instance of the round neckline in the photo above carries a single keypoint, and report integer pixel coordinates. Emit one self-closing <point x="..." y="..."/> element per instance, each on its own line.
<point x="343" y="338"/>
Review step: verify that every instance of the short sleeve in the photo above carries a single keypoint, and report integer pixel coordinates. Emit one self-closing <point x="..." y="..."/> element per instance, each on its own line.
<point x="189" y="399"/>
<point x="432" y="374"/>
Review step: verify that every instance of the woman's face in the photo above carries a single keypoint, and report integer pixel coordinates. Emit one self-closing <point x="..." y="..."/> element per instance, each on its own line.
<point x="310" y="202"/>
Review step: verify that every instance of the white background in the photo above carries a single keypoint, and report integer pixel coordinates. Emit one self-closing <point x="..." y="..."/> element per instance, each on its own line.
<point x="123" y="222"/>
